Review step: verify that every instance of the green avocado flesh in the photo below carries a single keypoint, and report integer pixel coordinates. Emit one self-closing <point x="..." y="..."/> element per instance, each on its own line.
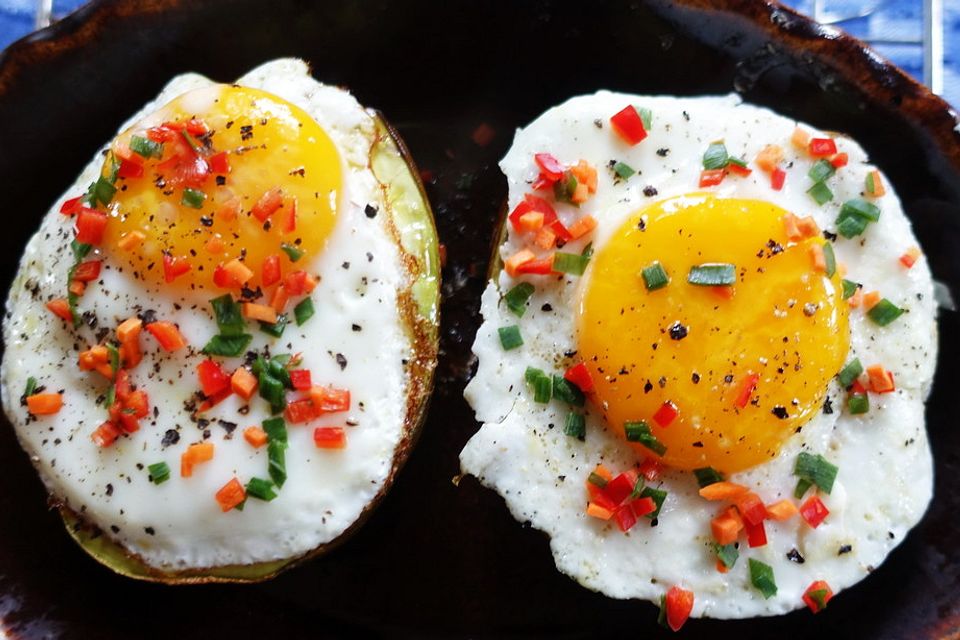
<point x="416" y="234"/>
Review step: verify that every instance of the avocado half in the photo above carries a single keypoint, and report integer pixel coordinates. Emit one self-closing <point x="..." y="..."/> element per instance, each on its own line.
<point x="411" y="223"/>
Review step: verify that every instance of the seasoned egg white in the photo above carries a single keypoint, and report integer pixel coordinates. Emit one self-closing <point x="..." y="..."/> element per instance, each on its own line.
<point x="521" y="451"/>
<point x="355" y="341"/>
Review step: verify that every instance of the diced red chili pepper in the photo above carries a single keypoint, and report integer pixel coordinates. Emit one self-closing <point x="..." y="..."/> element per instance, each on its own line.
<point x="87" y="271"/>
<point x="651" y="469"/>
<point x="751" y="508"/>
<point x="550" y="167"/>
<point x="625" y="517"/>
<point x="173" y="268"/>
<point x="756" y="534"/>
<point x="579" y="375"/>
<point x="330" y="437"/>
<point x="213" y="379"/>
<point x="221" y="277"/>
<point x="300" y="379"/>
<point x="184" y="168"/>
<point x="550" y="220"/>
<point x="329" y="399"/>
<point x="599" y="496"/>
<point x="212" y="401"/>
<point x="90" y="226"/>
<point x="746" y="390"/>
<point x="121" y="386"/>
<point x="857" y="387"/>
<point x="194" y="126"/>
<point x="296" y="283"/>
<point x="130" y="169"/>
<point x="622" y="486"/>
<point x="777" y="177"/>
<point x="822" y="147"/>
<point x="300" y="411"/>
<point x="814" y="511"/>
<point x="740" y="170"/>
<point x="291" y="224"/>
<point x="105" y="435"/>
<point x="666" y="414"/>
<point x="167" y="334"/>
<point x="679" y="604"/>
<point x="542" y="266"/>
<point x="823" y="592"/>
<point x="231" y="495"/>
<point x="128" y="421"/>
<point x="268" y="204"/>
<point x="72" y="206"/>
<point x="542" y="182"/>
<point x="163" y="133"/>
<point x="643" y="506"/>
<point x="840" y="160"/>
<point x="139" y="402"/>
<point x="271" y="270"/>
<point x="61" y="308"/>
<point x="219" y="163"/>
<point x="629" y="125"/>
<point x="711" y="177"/>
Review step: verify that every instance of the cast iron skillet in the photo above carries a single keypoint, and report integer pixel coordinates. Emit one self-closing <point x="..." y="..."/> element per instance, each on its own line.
<point x="439" y="559"/>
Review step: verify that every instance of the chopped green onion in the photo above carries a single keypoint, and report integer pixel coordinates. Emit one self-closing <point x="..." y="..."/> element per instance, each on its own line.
<point x="662" y="614"/>
<point x="101" y="191"/>
<point x="816" y="469"/>
<point x="517" y="297"/>
<point x="737" y="161"/>
<point x="570" y="263"/>
<point x="858" y="403"/>
<point x="658" y="496"/>
<point x="870" y="184"/>
<point x="597" y="480"/>
<point x="30" y="388"/>
<point x="261" y="489"/>
<point x="587" y="251"/>
<point x="145" y="147"/>
<point x="293" y="252"/>
<point x="114" y="172"/>
<point x="646" y="116"/>
<point x="655" y="277"/>
<point x="727" y="553"/>
<point x="802" y="485"/>
<point x="303" y="311"/>
<point x="849" y="288"/>
<point x="227" y="346"/>
<point x="564" y="189"/>
<point x="276" y="429"/>
<point x="114" y="355"/>
<point x="852" y="226"/>
<point x="228" y="315"/>
<point x="275" y="329"/>
<point x="821" y="170"/>
<point x="80" y="249"/>
<point x="884" y="312"/>
<point x="111" y="395"/>
<point x="707" y="476"/>
<point x="542" y="384"/>
<point x="860" y="207"/>
<point x="191" y="141"/>
<point x="277" y="368"/>
<point x="850" y="373"/>
<point x="192" y="198"/>
<point x="277" y="462"/>
<point x="820" y="193"/>
<point x="761" y="575"/>
<point x="575" y="426"/>
<point x="566" y="391"/>
<point x="818" y="596"/>
<point x="159" y="472"/>
<point x="623" y="170"/>
<point x="715" y="157"/>
<point x="510" y="337"/>
<point x="273" y="391"/>
<point x="712" y="275"/>
<point x="830" y="258"/>
<point x="639" y="431"/>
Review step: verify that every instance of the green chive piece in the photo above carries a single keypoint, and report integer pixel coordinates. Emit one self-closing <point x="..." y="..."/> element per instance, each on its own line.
<point x="830" y="258"/>
<point x="712" y="275"/>
<point x="862" y="208"/>
<point x="802" y="486"/>
<point x="727" y="553"/>
<point x="229" y="316"/>
<point x="850" y="373"/>
<point x="31" y="387"/>
<point x="193" y="198"/>
<point x="276" y="430"/>
<point x="191" y="141"/>
<point x="111" y="395"/>
<point x="587" y="251"/>
<point x="884" y="312"/>
<point x="114" y="172"/>
<point x="818" y="596"/>
<point x="707" y="476"/>
<point x="851" y="227"/>
<point x="564" y="188"/>
<point x="531" y="374"/>
<point x="597" y="480"/>
<point x="303" y="311"/>
<point x="80" y="249"/>
<point x="517" y="297"/>
<point x="570" y="263"/>
<point x="159" y="472"/>
<point x="510" y="337"/>
<point x="277" y="367"/>
<point x="277" y="462"/>
<point x="568" y="392"/>
<point x="114" y="354"/>
<point x="715" y="157"/>
<point x="575" y="426"/>
<point x="293" y="252"/>
<point x="637" y="489"/>
<point x="821" y="170"/>
<point x="273" y="391"/>
<point x="658" y="496"/>
<point x="870" y="185"/>
<point x="145" y="147"/>
<point x="662" y="614"/>
<point x="261" y="489"/>
<point x="737" y="161"/>
<point x="542" y="384"/>
<point x="761" y="575"/>
<point x="816" y="469"/>
<point x="639" y="431"/>
<point x="275" y="329"/>
<point x="227" y="346"/>
<point x="623" y="170"/>
<point x="820" y="193"/>
<point x="655" y="277"/>
<point x="646" y="117"/>
<point x="101" y="191"/>
<point x="858" y="403"/>
<point x="849" y="288"/>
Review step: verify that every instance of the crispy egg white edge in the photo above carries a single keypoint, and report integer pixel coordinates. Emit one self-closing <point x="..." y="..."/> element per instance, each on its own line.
<point x="326" y="490"/>
<point x="886" y="473"/>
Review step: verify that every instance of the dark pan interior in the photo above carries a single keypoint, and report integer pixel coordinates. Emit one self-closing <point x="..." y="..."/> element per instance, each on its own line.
<point x="437" y="559"/>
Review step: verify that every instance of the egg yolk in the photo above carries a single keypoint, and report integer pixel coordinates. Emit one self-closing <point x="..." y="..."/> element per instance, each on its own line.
<point x="220" y="175"/>
<point x="742" y="367"/>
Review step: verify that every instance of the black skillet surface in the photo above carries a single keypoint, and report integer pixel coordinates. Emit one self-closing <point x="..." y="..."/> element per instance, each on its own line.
<point x="436" y="559"/>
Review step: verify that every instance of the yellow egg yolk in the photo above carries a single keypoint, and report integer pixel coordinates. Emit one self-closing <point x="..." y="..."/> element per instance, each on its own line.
<point x="221" y="174"/>
<point x="745" y="366"/>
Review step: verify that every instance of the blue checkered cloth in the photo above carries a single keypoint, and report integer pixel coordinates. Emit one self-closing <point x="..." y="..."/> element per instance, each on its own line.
<point x="893" y="27"/>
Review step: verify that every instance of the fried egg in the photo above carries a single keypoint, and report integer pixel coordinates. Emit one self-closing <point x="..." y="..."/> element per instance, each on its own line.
<point x="238" y="317"/>
<point x="710" y="321"/>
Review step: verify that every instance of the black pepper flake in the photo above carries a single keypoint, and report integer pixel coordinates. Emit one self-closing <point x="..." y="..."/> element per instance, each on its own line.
<point x="847" y="548"/>
<point x="649" y="191"/>
<point x="794" y="556"/>
<point x="780" y="412"/>
<point x="547" y="307"/>
<point x="246" y="132"/>
<point x="229" y="427"/>
<point x="696" y="378"/>
<point x="114" y="528"/>
<point x="148" y="316"/>
<point x="828" y="406"/>
<point x="829" y="235"/>
<point x="370" y="210"/>
<point x="206" y="221"/>
<point x="172" y="436"/>
<point x="697" y="444"/>
<point x="149" y="531"/>
<point x="221" y="180"/>
<point x="109" y="489"/>
<point x="647" y="388"/>
<point x="678" y="331"/>
<point x="356" y="327"/>
<point x="663" y="152"/>
<point x="341" y="361"/>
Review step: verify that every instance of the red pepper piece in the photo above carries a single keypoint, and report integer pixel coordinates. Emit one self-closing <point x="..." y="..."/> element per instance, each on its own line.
<point x="300" y="411"/>
<point x="542" y="266"/>
<point x="840" y="160"/>
<point x="814" y="511"/>
<point x="579" y="375"/>
<point x="643" y="506"/>
<point x="329" y="399"/>
<point x="219" y="163"/>
<point x="746" y="390"/>
<point x="622" y="486"/>
<point x="651" y="469"/>
<point x="268" y="204"/>
<point x="756" y="534"/>
<point x="300" y="379"/>
<point x="213" y="379"/>
<point x="666" y="414"/>
<point x="817" y="595"/>
<point x="550" y="167"/>
<point x="130" y="169"/>
<point x="711" y="177"/>
<point x="751" y="508"/>
<point x="173" y="268"/>
<point x="822" y="147"/>
<point x="167" y="334"/>
<point x="777" y="177"/>
<point x="105" y="435"/>
<point x="330" y="437"/>
<point x="625" y="517"/>
<point x="72" y="206"/>
<point x="271" y="270"/>
<point x="87" y="271"/>
<point x="679" y="604"/>
<point x="629" y="125"/>
<point x="90" y="226"/>
<point x="733" y="167"/>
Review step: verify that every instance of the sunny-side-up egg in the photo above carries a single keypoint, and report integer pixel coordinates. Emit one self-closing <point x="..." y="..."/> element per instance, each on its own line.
<point x="218" y="354"/>
<point x="703" y="365"/>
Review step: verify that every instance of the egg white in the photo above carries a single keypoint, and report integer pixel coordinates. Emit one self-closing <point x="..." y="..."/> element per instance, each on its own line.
<point x="885" y="466"/>
<point x="178" y="524"/>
